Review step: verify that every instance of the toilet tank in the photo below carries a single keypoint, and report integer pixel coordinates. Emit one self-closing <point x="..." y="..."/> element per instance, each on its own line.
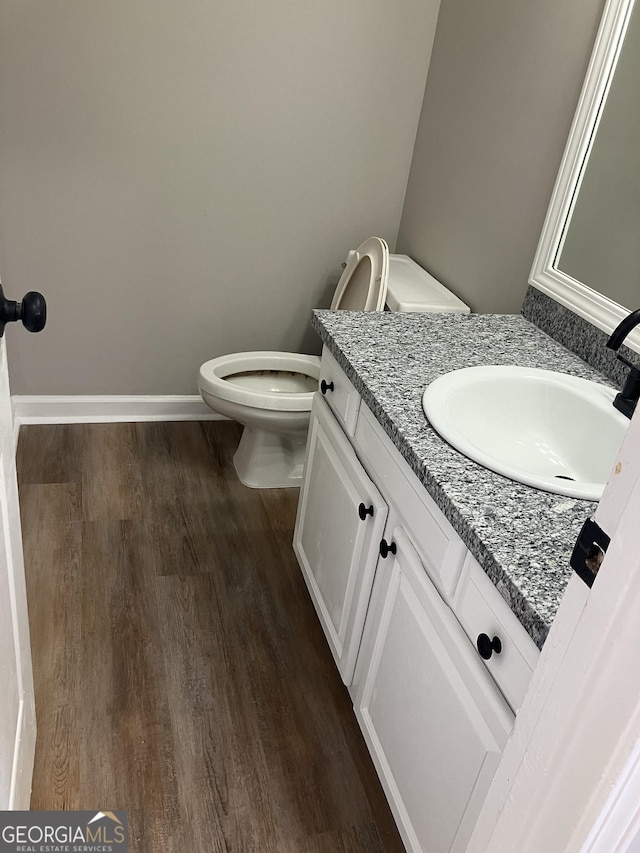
<point x="411" y="288"/>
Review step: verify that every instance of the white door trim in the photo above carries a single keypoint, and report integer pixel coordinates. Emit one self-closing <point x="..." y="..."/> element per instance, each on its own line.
<point x="18" y="731"/>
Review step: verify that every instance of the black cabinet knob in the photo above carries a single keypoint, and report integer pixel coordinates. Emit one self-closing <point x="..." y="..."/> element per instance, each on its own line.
<point x="387" y="548"/>
<point x="326" y="386"/>
<point x="487" y="646"/>
<point x="364" y="511"/>
<point x="32" y="311"/>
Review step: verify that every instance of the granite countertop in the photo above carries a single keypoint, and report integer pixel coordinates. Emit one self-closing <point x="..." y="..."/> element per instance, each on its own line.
<point x="521" y="536"/>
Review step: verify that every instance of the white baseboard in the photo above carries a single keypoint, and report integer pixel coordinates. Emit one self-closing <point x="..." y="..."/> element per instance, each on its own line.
<point x="78" y="409"/>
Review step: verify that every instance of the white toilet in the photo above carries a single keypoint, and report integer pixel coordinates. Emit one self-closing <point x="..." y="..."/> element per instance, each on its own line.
<point x="270" y="393"/>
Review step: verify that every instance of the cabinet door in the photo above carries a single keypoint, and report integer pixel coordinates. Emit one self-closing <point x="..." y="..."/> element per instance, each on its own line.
<point x="433" y="720"/>
<point x="335" y="546"/>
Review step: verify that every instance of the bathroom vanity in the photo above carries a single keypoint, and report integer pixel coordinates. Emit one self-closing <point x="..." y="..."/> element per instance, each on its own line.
<point x="435" y="579"/>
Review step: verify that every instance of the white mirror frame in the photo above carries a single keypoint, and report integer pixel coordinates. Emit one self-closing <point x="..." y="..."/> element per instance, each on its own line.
<point x="545" y="276"/>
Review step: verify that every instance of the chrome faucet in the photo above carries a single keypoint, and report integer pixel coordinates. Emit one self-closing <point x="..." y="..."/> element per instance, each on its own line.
<point x="627" y="399"/>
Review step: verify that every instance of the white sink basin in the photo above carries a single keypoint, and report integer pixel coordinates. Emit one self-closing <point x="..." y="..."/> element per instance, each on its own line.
<point x="545" y="429"/>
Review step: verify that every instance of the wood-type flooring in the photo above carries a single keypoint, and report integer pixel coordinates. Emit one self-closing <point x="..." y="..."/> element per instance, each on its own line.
<point x="180" y="669"/>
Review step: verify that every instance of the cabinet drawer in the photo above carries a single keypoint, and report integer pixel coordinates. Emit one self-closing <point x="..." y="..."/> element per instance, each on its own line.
<point x="481" y="610"/>
<point x="440" y="548"/>
<point x="342" y="397"/>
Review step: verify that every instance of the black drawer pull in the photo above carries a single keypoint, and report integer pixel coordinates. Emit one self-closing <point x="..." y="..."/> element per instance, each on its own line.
<point x="326" y="386"/>
<point x="487" y="646"/>
<point x="387" y="548"/>
<point x="364" y="511"/>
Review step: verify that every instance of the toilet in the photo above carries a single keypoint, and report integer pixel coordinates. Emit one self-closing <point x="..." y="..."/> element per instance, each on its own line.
<point x="270" y="393"/>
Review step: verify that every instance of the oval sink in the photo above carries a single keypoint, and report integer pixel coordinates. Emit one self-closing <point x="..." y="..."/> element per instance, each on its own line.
<point x="545" y="429"/>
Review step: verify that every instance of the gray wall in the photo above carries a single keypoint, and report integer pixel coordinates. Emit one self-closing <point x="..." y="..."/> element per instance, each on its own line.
<point x="502" y="89"/>
<point x="183" y="179"/>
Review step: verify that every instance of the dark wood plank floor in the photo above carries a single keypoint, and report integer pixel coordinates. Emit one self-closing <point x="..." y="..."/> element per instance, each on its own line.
<point x="180" y="669"/>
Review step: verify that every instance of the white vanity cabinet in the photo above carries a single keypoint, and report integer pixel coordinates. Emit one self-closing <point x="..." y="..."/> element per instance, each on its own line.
<point x="340" y="521"/>
<point x="433" y="719"/>
<point x="400" y="600"/>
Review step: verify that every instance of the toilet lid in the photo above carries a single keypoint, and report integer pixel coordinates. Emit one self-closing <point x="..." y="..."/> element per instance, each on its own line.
<point x="363" y="284"/>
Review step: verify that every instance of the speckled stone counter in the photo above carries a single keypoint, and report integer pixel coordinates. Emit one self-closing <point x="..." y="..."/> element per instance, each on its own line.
<point x="522" y="537"/>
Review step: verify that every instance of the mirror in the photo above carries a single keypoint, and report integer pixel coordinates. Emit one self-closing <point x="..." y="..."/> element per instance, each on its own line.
<point x="588" y="257"/>
<point x="601" y="245"/>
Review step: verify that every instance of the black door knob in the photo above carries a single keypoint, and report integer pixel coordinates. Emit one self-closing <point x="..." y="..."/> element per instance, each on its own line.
<point x="326" y="386"/>
<point x="364" y="511"/>
<point x="32" y="311"/>
<point x="487" y="646"/>
<point x="387" y="548"/>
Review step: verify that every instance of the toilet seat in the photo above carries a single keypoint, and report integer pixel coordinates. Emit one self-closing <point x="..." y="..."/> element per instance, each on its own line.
<point x="363" y="283"/>
<point x="362" y="287"/>
<point x="216" y="378"/>
<point x="270" y="393"/>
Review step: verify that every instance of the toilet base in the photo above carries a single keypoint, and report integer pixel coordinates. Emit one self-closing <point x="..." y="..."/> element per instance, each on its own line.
<point x="268" y="460"/>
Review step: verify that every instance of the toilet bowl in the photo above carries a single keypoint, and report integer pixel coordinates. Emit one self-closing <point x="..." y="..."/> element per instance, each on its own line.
<point x="270" y="393"/>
